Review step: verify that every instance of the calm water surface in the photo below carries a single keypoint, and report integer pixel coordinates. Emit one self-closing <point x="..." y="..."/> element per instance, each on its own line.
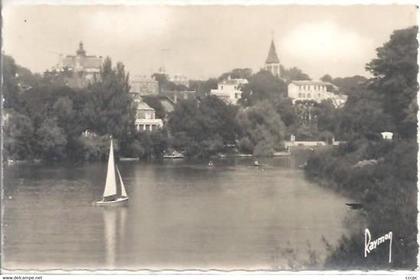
<point x="180" y="216"/>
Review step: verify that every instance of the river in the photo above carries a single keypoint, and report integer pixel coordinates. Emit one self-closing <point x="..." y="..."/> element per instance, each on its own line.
<point x="180" y="216"/>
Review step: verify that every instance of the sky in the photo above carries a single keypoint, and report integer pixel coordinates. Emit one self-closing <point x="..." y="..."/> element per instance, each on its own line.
<point x="204" y="41"/>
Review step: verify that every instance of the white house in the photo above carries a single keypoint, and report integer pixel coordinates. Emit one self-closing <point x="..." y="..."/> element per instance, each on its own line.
<point x="145" y="117"/>
<point x="309" y="90"/>
<point x="386" y="135"/>
<point x="229" y="90"/>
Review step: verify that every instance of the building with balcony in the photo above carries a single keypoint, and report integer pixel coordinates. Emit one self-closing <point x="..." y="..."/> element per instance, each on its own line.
<point x="316" y="91"/>
<point x="145" y="117"/>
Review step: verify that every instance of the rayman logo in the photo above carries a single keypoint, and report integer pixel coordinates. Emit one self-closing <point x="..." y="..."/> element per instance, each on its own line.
<point x="372" y="245"/>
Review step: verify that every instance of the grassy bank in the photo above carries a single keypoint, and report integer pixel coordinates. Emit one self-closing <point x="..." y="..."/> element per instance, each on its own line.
<point x="381" y="175"/>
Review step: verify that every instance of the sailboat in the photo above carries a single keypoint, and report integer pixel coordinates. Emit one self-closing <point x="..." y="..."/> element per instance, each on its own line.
<point x="114" y="194"/>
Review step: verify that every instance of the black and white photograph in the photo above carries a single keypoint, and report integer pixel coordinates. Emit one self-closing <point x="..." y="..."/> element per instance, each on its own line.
<point x="208" y="137"/>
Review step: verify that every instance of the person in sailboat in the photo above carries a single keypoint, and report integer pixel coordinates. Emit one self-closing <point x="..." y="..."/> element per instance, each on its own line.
<point x="114" y="193"/>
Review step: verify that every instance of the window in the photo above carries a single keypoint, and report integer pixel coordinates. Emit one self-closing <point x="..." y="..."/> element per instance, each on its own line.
<point x="309" y="95"/>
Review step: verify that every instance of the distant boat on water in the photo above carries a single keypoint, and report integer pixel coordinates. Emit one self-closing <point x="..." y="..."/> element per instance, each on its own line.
<point x="173" y="155"/>
<point x="114" y="194"/>
<point x="129" y="159"/>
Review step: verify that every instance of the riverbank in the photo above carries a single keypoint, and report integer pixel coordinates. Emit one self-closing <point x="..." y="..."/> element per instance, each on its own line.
<point x="386" y="190"/>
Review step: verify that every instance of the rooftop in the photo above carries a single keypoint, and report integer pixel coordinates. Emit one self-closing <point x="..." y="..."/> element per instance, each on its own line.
<point x="272" y="54"/>
<point x="235" y="81"/>
<point x="309" y="82"/>
<point x="141" y="105"/>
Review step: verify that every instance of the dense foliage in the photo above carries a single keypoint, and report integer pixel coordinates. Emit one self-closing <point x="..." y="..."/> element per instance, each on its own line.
<point x="262" y="129"/>
<point x="379" y="174"/>
<point x="45" y="119"/>
<point x="203" y="127"/>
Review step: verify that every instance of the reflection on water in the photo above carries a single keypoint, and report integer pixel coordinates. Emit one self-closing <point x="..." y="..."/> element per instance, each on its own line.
<point x="114" y="232"/>
<point x="180" y="215"/>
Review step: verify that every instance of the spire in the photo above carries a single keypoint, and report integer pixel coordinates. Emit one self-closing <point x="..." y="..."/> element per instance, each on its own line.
<point x="81" y="51"/>
<point x="272" y="55"/>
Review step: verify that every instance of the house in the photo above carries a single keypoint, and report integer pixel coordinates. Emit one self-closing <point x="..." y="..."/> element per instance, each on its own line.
<point x="79" y="70"/>
<point x="144" y="85"/>
<point x="316" y="91"/>
<point x="229" y="90"/>
<point x="145" y="117"/>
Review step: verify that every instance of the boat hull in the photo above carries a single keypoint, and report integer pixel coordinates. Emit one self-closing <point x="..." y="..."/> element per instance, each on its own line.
<point x="117" y="202"/>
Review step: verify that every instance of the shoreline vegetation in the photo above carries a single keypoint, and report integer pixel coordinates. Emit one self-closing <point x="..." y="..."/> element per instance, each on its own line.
<point x="44" y="119"/>
<point x="377" y="174"/>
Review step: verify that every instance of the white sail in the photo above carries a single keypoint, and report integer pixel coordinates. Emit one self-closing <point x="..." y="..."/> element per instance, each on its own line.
<point x="110" y="184"/>
<point x="123" y="192"/>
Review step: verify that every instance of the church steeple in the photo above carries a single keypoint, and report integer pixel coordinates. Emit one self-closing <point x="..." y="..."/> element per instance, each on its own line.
<point x="272" y="54"/>
<point x="272" y="63"/>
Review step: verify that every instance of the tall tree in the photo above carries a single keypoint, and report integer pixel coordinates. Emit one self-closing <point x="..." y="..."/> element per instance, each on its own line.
<point x="18" y="136"/>
<point x="262" y="129"/>
<point x="395" y="79"/>
<point x="263" y="86"/>
<point x="203" y="127"/>
<point x="110" y="109"/>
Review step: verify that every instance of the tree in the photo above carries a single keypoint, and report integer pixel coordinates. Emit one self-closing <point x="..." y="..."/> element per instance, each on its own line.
<point x="166" y="84"/>
<point x="285" y="109"/>
<point x="327" y="78"/>
<point x="10" y="88"/>
<point x="50" y="140"/>
<point x="237" y="73"/>
<point x="263" y="86"/>
<point x="202" y="88"/>
<point x="326" y="116"/>
<point x="395" y="79"/>
<point x="110" y="109"/>
<point x="18" y="136"/>
<point x="261" y="128"/>
<point x="154" y="102"/>
<point x="295" y="74"/>
<point x="363" y="116"/>
<point x="203" y="127"/>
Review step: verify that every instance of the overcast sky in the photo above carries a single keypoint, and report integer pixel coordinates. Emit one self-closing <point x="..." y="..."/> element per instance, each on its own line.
<point x="204" y="41"/>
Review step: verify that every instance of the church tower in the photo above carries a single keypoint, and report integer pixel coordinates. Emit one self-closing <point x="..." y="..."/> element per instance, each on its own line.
<point x="272" y="63"/>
